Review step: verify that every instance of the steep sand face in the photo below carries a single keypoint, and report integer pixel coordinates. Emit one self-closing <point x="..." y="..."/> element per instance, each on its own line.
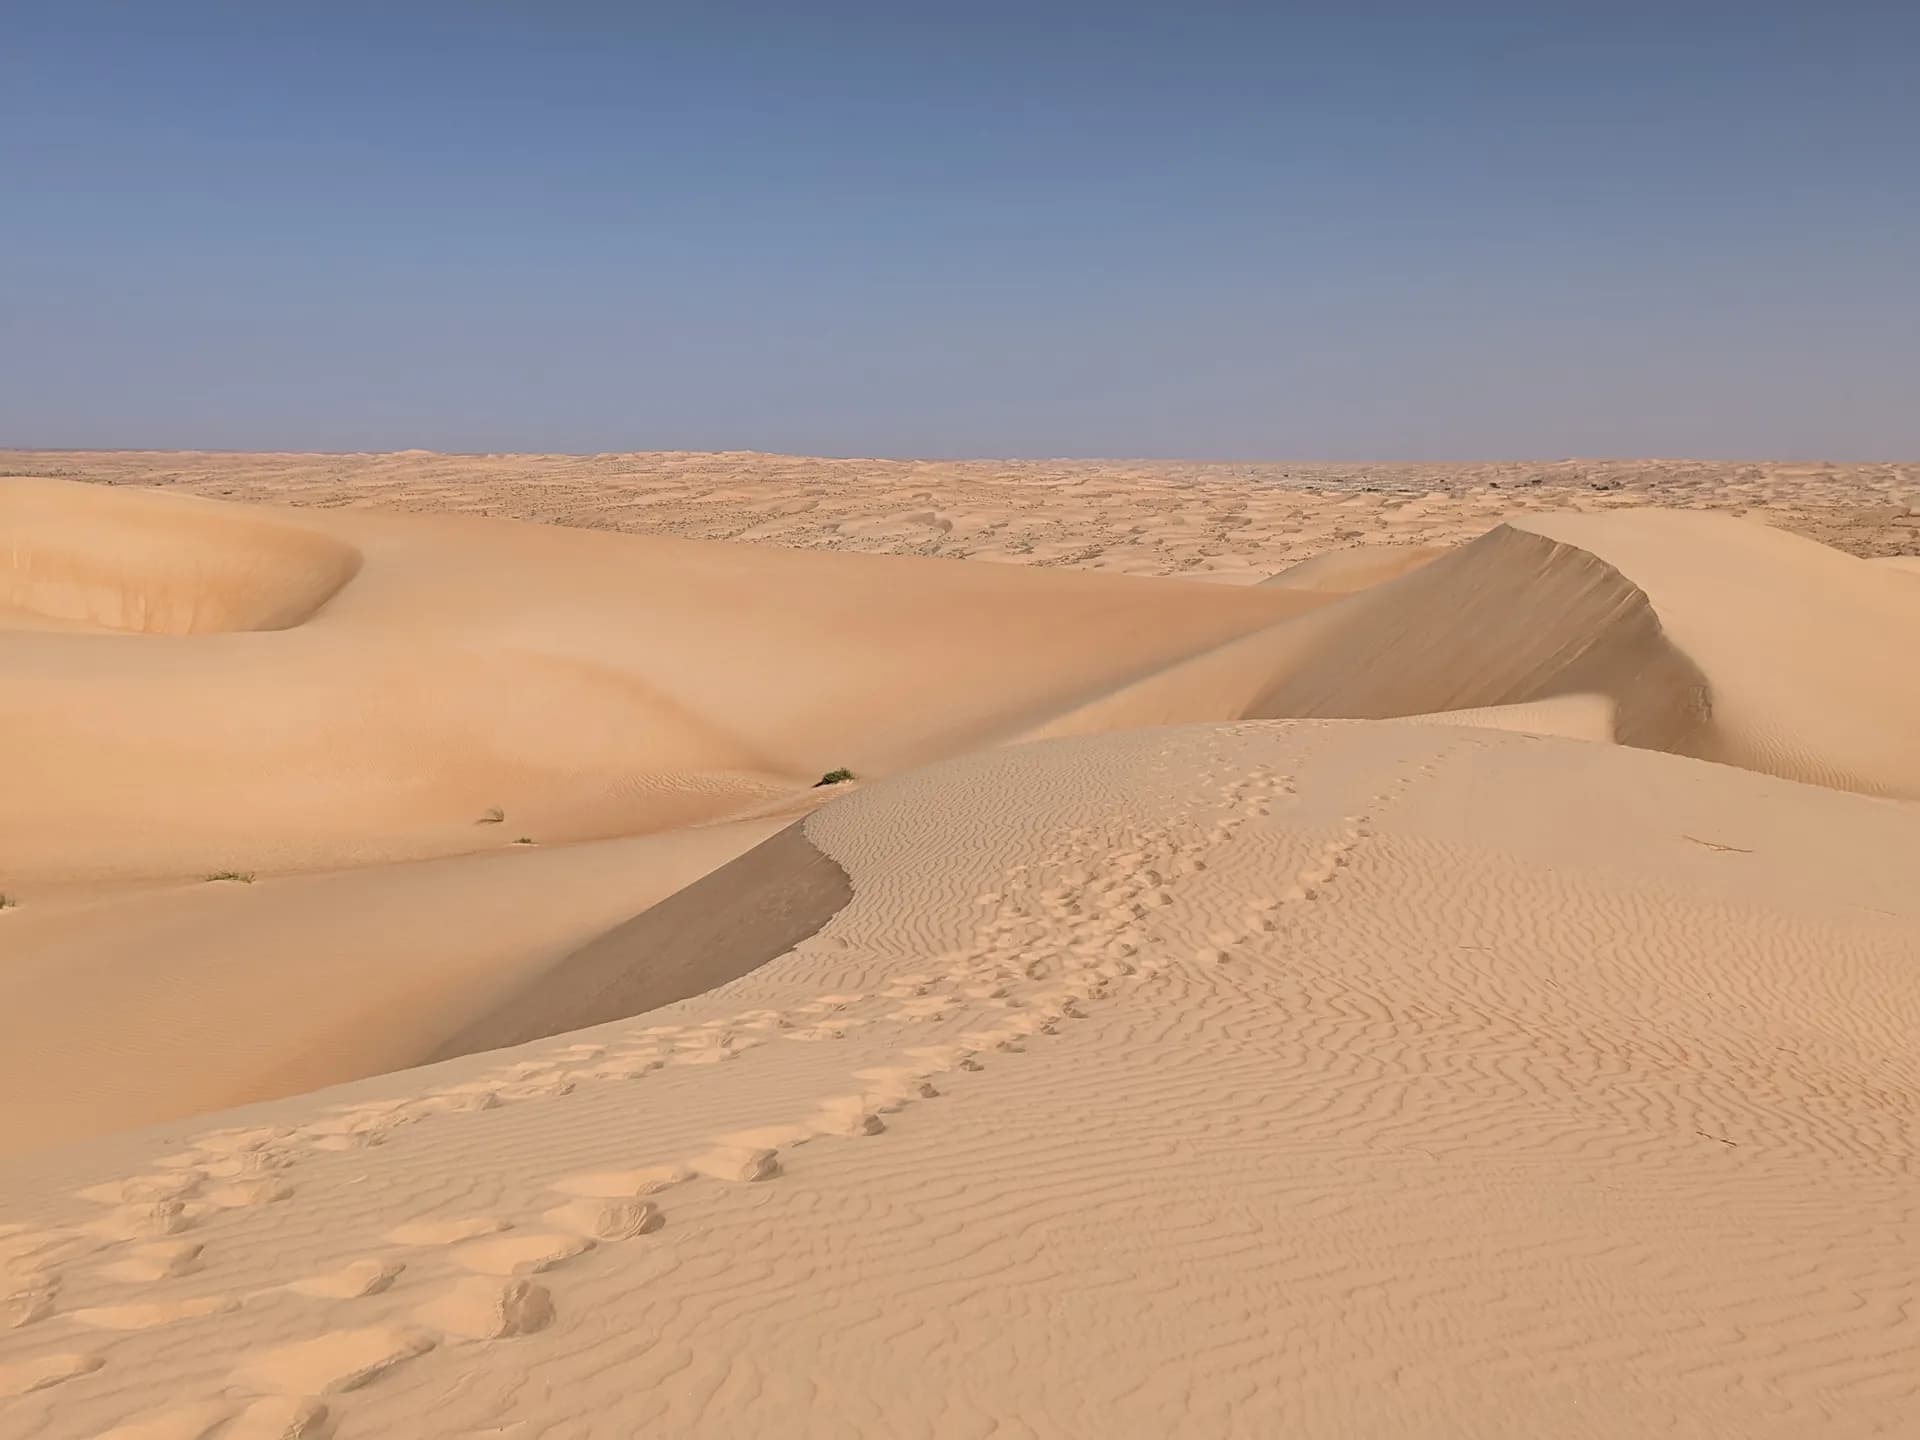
<point x="718" y="928"/>
<point x="91" y="559"/>
<point x="1272" y="1078"/>
<point x="1696" y="633"/>
<point x="1801" y="646"/>
<point x="174" y="999"/>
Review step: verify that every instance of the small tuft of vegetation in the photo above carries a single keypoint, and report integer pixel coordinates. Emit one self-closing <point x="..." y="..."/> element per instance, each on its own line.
<point x="239" y="877"/>
<point x="834" y="777"/>
<point x="524" y="840"/>
<point x="492" y="817"/>
<point x="7" y="902"/>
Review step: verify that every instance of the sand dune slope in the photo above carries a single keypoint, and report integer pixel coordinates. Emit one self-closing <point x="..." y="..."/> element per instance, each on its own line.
<point x="427" y="672"/>
<point x="184" y="998"/>
<point x="86" y="558"/>
<point x="1270" y="1078"/>
<point x="197" y="688"/>
<point x="1701" y="634"/>
<point x="1344" y="572"/>
<point x="584" y="683"/>
<point x="1806" y="651"/>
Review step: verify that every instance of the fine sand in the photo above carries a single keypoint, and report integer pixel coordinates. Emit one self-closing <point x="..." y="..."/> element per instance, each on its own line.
<point x="1453" y="974"/>
<point x="1277" y="1078"/>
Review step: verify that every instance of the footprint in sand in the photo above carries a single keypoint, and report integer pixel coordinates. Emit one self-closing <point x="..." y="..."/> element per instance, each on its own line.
<point x="535" y="1089"/>
<point x="350" y="1281"/>
<point x="446" y="1232"/>
<point x="348" y="1140"/>
<point x="520" y="1254"/>
<point x="619" y="1219"/>
<point x="28" y="1298"/>
<point x="452" y="1103"/>
<point x="468" y="1095"/>
<point x="145" y="1189"/>
<point x="331" y="1364"/>
<point x="243" y="1194"/>
<point x="160" y="1260"/>
<point x="234" y="1142"/>
<point x="630" y="1068"/>
<point x="141" y="1222"/>
<point x="23" y="1377"/>
<point x="737" y="1164"/>
<point x="893" y="1085"/>
<point x="847" y="1115"/>
<point x="247" y="1162"/>
<point x="485" y="1309"/>
<point x="770" y="1137"/>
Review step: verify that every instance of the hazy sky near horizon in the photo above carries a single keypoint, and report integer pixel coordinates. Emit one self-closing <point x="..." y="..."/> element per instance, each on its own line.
<point x="1344" y="231"/>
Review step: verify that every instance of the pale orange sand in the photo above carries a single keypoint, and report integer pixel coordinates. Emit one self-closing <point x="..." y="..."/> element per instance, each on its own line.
<point x="1282" y="1077"/>
<point x="435" y="755"/>
<point x="1412" y="1068"/>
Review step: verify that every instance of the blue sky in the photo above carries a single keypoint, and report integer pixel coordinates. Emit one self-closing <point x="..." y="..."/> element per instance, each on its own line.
<point x="1356" y="231"/>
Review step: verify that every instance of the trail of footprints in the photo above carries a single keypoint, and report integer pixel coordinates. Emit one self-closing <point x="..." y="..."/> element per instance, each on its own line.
<point x="1051" y="939"/>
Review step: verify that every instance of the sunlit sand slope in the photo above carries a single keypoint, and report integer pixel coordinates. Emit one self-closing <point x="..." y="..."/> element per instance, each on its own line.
<point x="1699" y="633"/>
<point x="1274" y="1078"/>
<point x="381" y="683"/>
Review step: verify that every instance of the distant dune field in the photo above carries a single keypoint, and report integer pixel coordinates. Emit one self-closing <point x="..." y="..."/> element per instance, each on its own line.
<point x="1454" y="973"/>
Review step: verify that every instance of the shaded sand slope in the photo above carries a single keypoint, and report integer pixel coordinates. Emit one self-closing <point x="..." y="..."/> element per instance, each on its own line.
<point x="1692" y="632"/>
<point x="179" y="999"/>
<point x="588" y="684"/>
<point x="714" y="930"/>
<point x="1295" y="1077"/>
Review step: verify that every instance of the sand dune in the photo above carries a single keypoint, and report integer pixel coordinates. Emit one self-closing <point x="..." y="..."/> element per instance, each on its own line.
<point x="1395" y="1043"/>
<point x="1279" y="1077"/>
<point x="412" y="678"/>
<point x="1704" y="635"/>
<point x="1343" y="572"/>
<point x="181" y="998"/>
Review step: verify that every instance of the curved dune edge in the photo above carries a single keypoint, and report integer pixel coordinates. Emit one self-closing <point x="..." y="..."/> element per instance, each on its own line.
<point x="1359" y="567"/>
<point x="587" y="684"/>
<point x="1511" y="619"/>
<point x="183" y="999"/>
<point x="1706" y="636"/>
<point x="720" y="927"/>
<point x="80" y="557"/>
<point x="1489" y="1061"/>
<point x="1806" y="651"/>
